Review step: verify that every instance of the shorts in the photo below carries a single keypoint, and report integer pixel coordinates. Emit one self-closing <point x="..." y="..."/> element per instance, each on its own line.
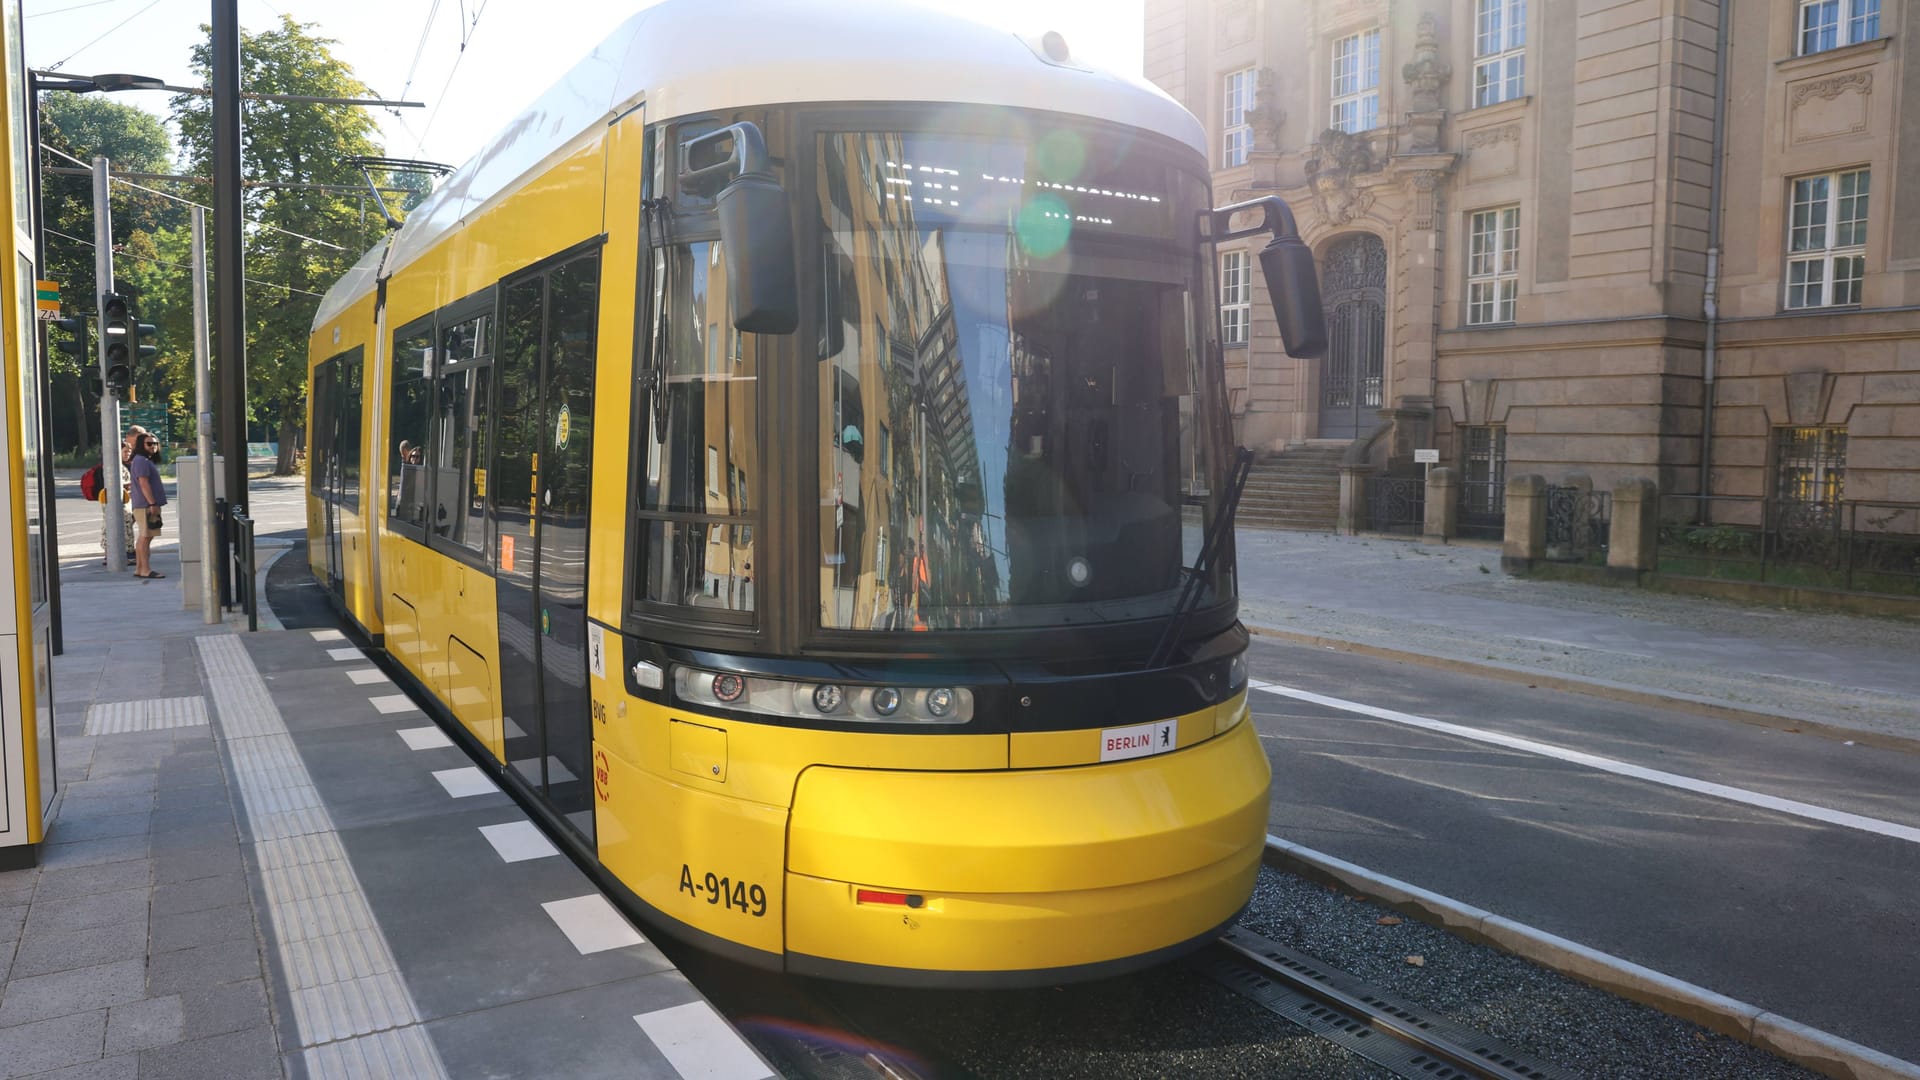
<point x="140" y="519"/>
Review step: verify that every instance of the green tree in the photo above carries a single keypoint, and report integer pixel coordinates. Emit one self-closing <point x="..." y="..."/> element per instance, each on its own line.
<point x="132" y="140"/>
<point x="299" y="240"/>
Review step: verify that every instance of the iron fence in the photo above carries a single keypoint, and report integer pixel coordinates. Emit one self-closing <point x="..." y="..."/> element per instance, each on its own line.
<point x="1578" y="521"/>
<point x="1863" y="545"/>
<point x="1483" y="510"/>
<point x="1397" y="504"/>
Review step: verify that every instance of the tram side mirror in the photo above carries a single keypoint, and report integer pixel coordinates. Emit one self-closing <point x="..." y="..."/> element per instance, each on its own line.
<point x="1293" y="287"/>
<point x="756" y="225"/>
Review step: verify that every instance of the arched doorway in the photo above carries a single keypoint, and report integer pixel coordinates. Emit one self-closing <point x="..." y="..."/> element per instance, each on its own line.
<point x="1353" y="276"/>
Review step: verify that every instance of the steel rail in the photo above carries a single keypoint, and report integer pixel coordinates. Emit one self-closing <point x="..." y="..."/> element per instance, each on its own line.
<point x="1423" y="1045"/>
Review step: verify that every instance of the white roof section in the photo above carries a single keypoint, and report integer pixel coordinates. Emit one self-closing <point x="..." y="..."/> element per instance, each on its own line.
<point x="690" y="56"/>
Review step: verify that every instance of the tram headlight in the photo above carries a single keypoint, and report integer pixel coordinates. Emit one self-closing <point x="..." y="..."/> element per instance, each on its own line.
<point x="722" y="690"/>
<point x="1237" y="673"/>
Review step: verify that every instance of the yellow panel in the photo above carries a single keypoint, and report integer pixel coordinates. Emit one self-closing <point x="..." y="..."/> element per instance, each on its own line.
<point x="1118" y="824"/>
<point x="470" y="696"/>
<point x="1016" y="932"/>
<point x="1053" y="749"/>
<point x="764" y="760"/>
<point x="619" y="269"/>
<point x="662" y="839"/>
<point x="698" y="750"/>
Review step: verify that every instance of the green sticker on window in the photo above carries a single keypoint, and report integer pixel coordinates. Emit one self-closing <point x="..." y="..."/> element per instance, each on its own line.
<point x="562" y="428"/>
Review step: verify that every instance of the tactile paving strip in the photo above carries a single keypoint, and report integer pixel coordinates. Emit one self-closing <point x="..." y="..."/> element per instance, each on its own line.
<point x="146" y="714"/>
<point x="351" y="1008"/>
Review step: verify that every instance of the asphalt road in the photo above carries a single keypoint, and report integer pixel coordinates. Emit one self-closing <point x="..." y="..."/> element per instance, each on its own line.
<point x="1809" y="918"/>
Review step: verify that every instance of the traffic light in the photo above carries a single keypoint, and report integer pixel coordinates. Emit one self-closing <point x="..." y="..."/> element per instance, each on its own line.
<point x="75" y="344"/>
<point x="120" y="337"/>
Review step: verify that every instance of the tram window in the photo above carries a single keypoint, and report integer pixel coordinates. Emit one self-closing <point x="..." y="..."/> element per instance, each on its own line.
<point x="407" y="433"/>
<point x="322" y="428"/>
<point x="347" y="386"/>
<point x="701" y="442"/>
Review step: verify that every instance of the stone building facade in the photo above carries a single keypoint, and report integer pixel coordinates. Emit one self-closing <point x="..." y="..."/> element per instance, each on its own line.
<point x="1513" y="205"/>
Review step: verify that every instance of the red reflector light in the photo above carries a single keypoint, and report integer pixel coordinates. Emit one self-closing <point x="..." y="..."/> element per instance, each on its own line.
<point x="875" y="896"/>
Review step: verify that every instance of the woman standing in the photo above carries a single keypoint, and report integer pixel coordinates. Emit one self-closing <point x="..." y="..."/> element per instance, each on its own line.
<point x="149" y="495"/>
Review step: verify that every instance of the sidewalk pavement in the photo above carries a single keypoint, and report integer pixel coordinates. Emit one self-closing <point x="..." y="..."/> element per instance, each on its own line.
<point x="1853" y="676"/>
<point x="132" y="949"/>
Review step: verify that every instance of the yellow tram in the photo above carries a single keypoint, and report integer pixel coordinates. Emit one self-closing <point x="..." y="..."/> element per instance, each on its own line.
<point x="27" y="767"/>
<point x="787" y="450"/>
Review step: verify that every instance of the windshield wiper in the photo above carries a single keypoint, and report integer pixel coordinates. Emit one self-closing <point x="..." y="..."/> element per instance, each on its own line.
<point x="1212" y="542"/>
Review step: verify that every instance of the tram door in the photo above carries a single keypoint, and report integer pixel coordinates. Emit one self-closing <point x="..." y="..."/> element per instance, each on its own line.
<point x="540" y="484"/>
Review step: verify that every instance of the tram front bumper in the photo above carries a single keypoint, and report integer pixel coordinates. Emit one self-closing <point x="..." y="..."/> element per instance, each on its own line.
<point x="1030" y="876"/>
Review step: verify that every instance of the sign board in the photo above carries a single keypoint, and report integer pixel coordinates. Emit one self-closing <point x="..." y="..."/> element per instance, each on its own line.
<point x="46" y="300"/>
<point x="1426" y="457"/>
<point x="153" y="417"/>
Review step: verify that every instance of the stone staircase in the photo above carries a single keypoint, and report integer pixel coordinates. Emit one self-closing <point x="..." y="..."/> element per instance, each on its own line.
<point x="1298" y="488"/>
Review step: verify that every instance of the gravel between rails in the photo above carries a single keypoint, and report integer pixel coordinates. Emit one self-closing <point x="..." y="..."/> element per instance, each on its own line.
<point x="1530" y="1008"/>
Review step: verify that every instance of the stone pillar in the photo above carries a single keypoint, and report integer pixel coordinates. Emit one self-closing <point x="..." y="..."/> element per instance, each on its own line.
<point x="1353" y="499"/>
<point x="1633" y="540"/>
<point x="1443" y="505"/>
<point x="1526" y="540"/>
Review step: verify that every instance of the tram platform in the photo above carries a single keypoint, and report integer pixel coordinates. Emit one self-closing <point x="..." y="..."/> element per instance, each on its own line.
<point x="266" y="861"/>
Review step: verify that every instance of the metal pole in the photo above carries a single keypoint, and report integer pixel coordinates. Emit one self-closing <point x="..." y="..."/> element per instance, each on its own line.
<point x="115" y="534"/>
<point x="203" y="405"/>
<point x="228" y="257"/>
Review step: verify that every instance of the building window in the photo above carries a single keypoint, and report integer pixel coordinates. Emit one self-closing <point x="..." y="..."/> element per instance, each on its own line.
<point x="1827" y="240"/>
<point x="1236" y="133"/>
<point x="1810" y="464"/>
<point x="1236" y="297"/>
<point x="1356" y="82"/>
<point x="1829" y="24"/>
<point x="1493" y="266"/>
<point x="1499" y="50"/>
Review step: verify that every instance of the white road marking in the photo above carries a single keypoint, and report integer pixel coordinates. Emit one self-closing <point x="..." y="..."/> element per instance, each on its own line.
<point x="348" y="653"/>
<point x="393" y="703"/>
<point x="425" y="738"/>
<point x="518" y="841"/>
<point x="1619" y="768"/>
<point x="364" y="676"/>
<point x="461" y="783"/>
<point x="700" y="1045"/>
<point x="329" y="635"/>
<point x="592" y="924"/>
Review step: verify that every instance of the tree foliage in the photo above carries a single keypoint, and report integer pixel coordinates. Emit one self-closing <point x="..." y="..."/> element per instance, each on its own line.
<point x="299" y="239"/>
<point x="132" y="140"/>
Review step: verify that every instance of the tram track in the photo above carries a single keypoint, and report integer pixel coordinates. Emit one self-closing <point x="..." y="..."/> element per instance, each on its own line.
<point x="1404" y="1038"/>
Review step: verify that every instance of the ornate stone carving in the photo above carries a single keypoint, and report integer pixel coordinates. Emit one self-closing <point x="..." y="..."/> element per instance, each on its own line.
<point x="1428" y="192"/>
<point x="1426" y="73"/>
<point x="1492" y="135"/>
<point x="1236" y="23"/>
<point x="1832" y="86"/>
<point x="1267" y="117"/>
<point x="1333" y="171"/>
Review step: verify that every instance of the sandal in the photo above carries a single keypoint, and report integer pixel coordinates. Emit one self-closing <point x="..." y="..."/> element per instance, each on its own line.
<point x="155" y="574"/>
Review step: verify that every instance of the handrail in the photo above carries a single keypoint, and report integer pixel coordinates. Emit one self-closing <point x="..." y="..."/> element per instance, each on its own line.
<point x="245" y="587"/>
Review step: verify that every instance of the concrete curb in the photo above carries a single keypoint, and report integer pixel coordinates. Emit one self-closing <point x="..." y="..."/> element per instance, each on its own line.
<point x="1810" y="1048"/>
<point x="1601" y="688"/>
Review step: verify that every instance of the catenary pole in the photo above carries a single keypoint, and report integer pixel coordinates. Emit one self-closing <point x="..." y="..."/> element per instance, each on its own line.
<point x="113" y="528"/>
<point x="228" y="259"/>
<point x="203" y="407"/>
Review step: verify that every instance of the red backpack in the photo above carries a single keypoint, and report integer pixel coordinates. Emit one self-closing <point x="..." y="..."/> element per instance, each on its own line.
<point x="90" y="484"/>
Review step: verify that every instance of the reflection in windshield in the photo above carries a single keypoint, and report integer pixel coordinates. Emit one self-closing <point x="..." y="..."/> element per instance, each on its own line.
<point x="1008" y="345"/>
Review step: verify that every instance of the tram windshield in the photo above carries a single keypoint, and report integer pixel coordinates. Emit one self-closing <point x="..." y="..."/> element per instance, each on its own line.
<point x="1015" y="430"/>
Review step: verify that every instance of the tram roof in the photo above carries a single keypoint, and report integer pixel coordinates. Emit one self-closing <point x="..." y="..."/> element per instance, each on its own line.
<point x="682" y="57"/>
